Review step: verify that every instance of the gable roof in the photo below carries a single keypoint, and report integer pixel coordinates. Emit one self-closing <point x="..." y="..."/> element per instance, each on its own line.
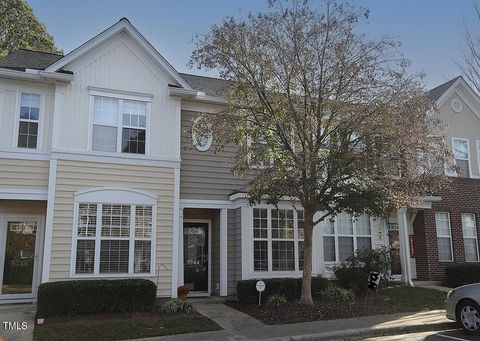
<point x="123" y="25"/>
<point x="23" y="59"/>
<point x="210" y="86"/>
<point x="437" y="92"/>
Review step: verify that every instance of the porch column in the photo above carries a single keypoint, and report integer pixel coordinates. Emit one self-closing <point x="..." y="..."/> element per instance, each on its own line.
<point x="404" y="245"/>
<point x="223" y="252"/>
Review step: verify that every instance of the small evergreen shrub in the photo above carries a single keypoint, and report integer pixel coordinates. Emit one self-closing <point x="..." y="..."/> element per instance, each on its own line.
<point x="290" y="288"/>
<point x="176" y="306"/>
<point x="276" y="301"/>
<point x="461" y="274"/>
<point x="83" y="297"/>
<point x="334" y="293"/>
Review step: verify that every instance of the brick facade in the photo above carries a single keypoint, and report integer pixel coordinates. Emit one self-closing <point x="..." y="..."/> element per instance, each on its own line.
<point x="461" y="196"/>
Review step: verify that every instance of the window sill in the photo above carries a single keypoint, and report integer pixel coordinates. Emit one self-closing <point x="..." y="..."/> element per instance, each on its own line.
<point x="110" y="275"/>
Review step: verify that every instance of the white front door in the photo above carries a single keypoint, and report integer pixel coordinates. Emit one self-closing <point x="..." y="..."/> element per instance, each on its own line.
<point x="19" y="251"/>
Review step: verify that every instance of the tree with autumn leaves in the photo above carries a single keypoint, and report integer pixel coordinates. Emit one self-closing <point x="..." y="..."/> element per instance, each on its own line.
<point x="325" y="117"/>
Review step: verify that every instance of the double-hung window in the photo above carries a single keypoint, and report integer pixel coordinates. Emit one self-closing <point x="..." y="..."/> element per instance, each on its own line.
<point x="444" y="236"/>
<point x="119" y="125"/>
<point x="461" y="156"/>
<point x="277" y="239"/>
<point x="470" y="241"/>
<point x="114" y="239"/>
<point x="343" y="235"/>
<point x="29" y="120"/>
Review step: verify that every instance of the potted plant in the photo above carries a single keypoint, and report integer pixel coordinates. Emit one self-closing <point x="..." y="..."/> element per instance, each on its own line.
<point x="183" y="292"/>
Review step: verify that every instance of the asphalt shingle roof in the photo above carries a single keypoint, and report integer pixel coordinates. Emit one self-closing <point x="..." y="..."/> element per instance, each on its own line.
<point x="22" y="59"/>
<point x="210" y="86"/>
<point x="438" y="91"/>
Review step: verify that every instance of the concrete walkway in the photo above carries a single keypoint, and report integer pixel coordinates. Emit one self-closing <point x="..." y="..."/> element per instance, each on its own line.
<point x="17" y="322"/>
<point x="239" y="326"/>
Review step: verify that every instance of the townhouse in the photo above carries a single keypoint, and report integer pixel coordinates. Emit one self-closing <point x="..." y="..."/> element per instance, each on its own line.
<point x="99" y="179"/>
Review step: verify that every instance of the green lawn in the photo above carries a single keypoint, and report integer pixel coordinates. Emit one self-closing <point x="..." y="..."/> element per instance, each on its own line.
<point x="121" y="327"/>
<point x="405" y="299"/>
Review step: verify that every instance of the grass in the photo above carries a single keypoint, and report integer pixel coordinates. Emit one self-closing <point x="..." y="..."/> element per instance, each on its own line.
<point x="121" y="327"/>
<point x="400" y="299"/>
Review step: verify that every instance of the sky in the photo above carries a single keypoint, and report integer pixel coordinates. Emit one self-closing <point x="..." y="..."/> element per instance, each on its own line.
<point x="431" y="31"/>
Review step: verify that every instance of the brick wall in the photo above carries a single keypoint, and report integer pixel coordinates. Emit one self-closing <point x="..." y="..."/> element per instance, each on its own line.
<point x="461" y="196"/>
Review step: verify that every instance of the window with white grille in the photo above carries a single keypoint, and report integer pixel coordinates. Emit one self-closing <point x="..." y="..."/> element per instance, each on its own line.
<point x="114" y="239"/>
<point x="444" y="236"/>
<point x="28" y="121"/>
<point x="470" y="242"/>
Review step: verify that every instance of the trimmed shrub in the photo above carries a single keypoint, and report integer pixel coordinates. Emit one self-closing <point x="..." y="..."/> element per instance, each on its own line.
<point x="290" y="288"/>
<point x="176" y="306"/>
<point x="276" y="301"/>
<point x="461" y="274"/>
<point x="334" y="293"/>
<point x="83" y="297"/>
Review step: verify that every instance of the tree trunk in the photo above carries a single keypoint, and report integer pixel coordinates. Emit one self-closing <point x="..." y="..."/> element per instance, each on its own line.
<point x="306" y="296"/>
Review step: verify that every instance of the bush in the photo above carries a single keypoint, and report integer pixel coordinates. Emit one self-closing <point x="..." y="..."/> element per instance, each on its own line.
<point x="176" y="306"/>
<point x="290" y="288"/>
<point x="276" y="301"/>
<point x="461" y="274"/>
<point x="353" y="272"/>
<point x="334" y="293"/>
<point x="83" y="297"/>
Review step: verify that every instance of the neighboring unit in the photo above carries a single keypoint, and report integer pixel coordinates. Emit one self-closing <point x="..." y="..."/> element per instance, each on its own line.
<point x="99" y="179"/>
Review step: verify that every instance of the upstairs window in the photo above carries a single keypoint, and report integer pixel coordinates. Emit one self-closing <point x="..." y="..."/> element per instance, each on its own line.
<point x="461" y="154"/>
<point x="29" y="119"/>
<point x="119" y="125"/>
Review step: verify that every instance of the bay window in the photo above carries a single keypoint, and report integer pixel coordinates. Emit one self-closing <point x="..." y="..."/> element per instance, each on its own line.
<point x="113" y="239"/>
<point x="277" y="239"/>
<point x="119" y="125"/>
<point x="343" y="235"/>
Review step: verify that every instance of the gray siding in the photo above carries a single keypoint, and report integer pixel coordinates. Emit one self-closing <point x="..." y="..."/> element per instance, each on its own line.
<point x="234" y="250"/>
<point x="215" y="283"/>
<point x="202" y="174"/>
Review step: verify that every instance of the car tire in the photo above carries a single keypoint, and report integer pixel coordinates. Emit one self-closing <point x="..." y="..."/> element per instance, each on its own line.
<point x="468" y="316"/>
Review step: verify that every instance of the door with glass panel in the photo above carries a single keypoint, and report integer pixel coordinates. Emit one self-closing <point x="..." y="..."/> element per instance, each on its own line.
<point x="18" y="257"/>
<point x="195" y="248"/>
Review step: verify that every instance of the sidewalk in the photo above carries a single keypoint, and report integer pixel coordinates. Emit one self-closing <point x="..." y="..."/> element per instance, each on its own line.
<point x="11" y="318"/>
<point x="239" y="326"/>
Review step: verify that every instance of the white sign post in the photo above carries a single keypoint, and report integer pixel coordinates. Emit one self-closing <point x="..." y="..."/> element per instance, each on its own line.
<point x="260" y="287"/>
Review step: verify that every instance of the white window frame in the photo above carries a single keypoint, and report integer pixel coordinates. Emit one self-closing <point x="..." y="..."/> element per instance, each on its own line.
<point x="269" y="239"/>
<point x="445" y="236"/>
<point x="468" y="155"/>
<point x="17" y="119"/>
<point x="474" y="238"/>
<point x="121" y="97"/>
<point x="336" y="235"/>
<point x="115" y="196"/>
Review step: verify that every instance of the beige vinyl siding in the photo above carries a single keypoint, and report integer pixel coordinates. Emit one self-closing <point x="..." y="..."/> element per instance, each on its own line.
<point x="73" y="176"/>
<point x="202" y="174"/>
<point x="464" y="124"/>
<point x="24" y="174"/>
<point x="234" y="250"/>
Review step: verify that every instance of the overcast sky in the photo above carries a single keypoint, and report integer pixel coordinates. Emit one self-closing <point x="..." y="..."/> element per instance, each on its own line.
<point x="431" y="31"/>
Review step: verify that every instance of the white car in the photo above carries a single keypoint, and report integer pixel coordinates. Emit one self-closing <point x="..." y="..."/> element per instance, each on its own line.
<point x="463" y="306"/>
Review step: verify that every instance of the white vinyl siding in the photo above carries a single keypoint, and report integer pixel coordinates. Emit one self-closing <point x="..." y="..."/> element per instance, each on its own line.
<point x="444" y="236"/>
<point x="461" y="153"/>
<point x="470" y="242"/>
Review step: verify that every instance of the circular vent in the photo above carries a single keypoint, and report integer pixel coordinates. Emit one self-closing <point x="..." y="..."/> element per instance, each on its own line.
<point x="456" y="105"/>
<point x="202" y="142"/>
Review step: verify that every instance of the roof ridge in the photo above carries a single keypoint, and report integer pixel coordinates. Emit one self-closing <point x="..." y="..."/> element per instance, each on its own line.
<point x="445" y="83"/>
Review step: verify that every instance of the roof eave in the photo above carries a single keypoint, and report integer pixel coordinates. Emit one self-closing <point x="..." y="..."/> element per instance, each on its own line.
<point x="36" y="75"/>
<point x="196" y="96"/>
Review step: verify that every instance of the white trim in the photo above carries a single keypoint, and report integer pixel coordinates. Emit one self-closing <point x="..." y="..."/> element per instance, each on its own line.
<point x="176" y="231"/>
<point x="123" y="25"/>
<point x="469" y="159"/>
<point x="120" y="94"/>
<point x="4" y="218"/>
<point x="209" y="222"/>
<point x="223" y="252"/>
<point x="196" y="96"/>
<point x="117" y="158"/>
<point x="449" y="236"/>
<point x="106" y="197"/>
<point x="40" y="121"/>
<point x="23" y="194"/>
<point x="115" y="195"/>
<point x="474" y="238"/>
<point x="52" y="178"/>
<point x="39" y="76"/>
<point x="200" y="203"/>
<point x="180" y="248"/>
<point x="451" y="90"/>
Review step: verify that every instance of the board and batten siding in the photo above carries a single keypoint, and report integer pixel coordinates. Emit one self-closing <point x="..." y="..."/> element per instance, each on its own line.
<point x="24" y="174"/>
<point x="204" y="175"/>
<point x="120" y="65"/>
<point x="73" y="176"/>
